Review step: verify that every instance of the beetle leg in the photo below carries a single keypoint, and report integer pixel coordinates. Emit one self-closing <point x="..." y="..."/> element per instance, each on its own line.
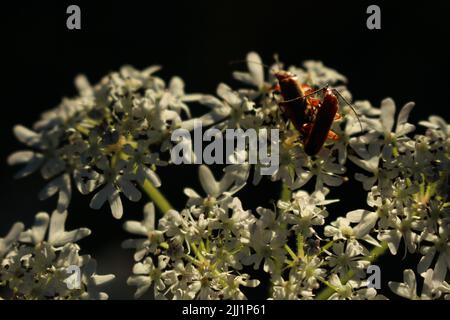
<point x="337" y="117"/>
<point x="276" y="87"/>
<point x="314" y="102"/>
<point x="306" y="88"/>
<point x="332" y="136"/>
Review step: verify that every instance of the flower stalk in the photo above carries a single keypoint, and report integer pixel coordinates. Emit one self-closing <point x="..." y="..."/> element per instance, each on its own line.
<point x="156" y="196"/>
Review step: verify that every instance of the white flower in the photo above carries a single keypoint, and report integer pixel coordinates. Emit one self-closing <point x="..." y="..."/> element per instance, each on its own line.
<point x="255" y="76"/>
<point x="351" y="290"/>
<point x="38" y="269"/>
<point x="93" y="281"/>
<point x="236" y="225"/>
<point x="233" y="180"/>
<point x="7" y="242"/>
<point x="408" y="289"/>
<point x="239" y="106"/>
<point x="341" y="228"/>
<point x="62" y="186"/>
<point x="327" y="172"/>
<point x="111" y="137"/>
<point x="364" y="107"/>
<point x="127" y="108"/>
<point x="46" y="157"/>
<point x="351" y="127"/>
<point x="386" y="124"/>
<point x="57" y="236"/>
<point x="441" y="249"/>
<point x="318" y="74"/>
<point x="115" y="182"/>
<point x="308" y="270"/>
<point x="176" y="97"/>
<point x="345" y="258"/>
<point x="139" y="161"/>
<point x="290" y="289"/>
<point x="401" y="229"/>
<point x="370" y="160"/>
<point x="305" y="211"/>
<point x="145" y="228"/>
<point x="289" y="170"/>
<point x="267" y="247"/>
<point x="146" y="274"/>
<point x="438" y="127"/>
<point x="219" y="112"/>
<point x="231" y="289"/>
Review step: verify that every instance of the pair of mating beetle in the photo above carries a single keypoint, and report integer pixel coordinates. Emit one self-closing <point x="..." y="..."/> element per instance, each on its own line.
<point x="312" y="117"/>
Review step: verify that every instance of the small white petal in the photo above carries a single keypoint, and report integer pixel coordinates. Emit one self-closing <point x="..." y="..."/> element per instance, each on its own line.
<point x="149" y="215"/>
<point x="20" y="157"/>
<point x="367" y="223"/>
<point x="152" y="176"/>
<point x="25" y="135"/>
<point x="244" y="77"/>
<point x="387" y="114"/>
<point x="135" y="227"/>
<point x="57" y="234"/>
<point x="36" y="234"/>
<point x="400" y="289"/>
<point x="100" y="197"/>
<point x="11" y="237"/>
<point x="208" y="182"/>
<point x="425" y="261"/>
<point x="31" y="166"/>
<point x="129" y="190"/>
<point x="116" y="204"/>
<point x="176" y="86"/>
<point x="440" y="269"/>
<point x="404" y="113"/>
<point x="99" y="280"/>
<point x="410" y="279"/>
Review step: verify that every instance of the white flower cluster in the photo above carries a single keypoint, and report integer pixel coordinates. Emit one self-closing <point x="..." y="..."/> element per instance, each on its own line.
<point x="408" y="179"/>
<point x="194" y="253"/>
<point x="35" y="268"/>
<point x="108" y="138"/>
<point x="200" y="251"/>
<point x="115" y="134"/>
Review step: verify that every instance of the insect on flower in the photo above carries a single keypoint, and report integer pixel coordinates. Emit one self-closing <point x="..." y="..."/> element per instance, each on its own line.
<point x="318" y="131"/>
<point x="294" y="105"/>
<point x="311" y="116"/>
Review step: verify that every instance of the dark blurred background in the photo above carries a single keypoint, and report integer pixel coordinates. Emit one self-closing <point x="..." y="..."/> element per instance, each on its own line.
<point x="407" y="60"/>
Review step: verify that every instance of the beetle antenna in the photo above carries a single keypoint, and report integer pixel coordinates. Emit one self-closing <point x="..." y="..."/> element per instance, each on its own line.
<point x="308" y="94"/>
<point x="351" y="107"/>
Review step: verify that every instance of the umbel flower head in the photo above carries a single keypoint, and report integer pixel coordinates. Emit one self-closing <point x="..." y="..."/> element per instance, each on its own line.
<point x="192" y="253"/>
<point x="35" y="262"/>
<point x="108" y="138"/>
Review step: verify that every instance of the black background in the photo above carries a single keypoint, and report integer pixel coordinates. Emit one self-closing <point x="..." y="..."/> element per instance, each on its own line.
<point x="407" y="60"/>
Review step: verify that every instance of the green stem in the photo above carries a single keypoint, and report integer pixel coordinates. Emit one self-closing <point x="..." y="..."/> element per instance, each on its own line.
<point x="291" y="253"/>
<point x="329" y="285"/>
<point x="156" y="196"/>
<point x="197" y="252"/>
<point x="374" y="254"/>
<point x="327" y="246"/>
<point x="286" y="193"/>
<point x="300" y="245"/>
